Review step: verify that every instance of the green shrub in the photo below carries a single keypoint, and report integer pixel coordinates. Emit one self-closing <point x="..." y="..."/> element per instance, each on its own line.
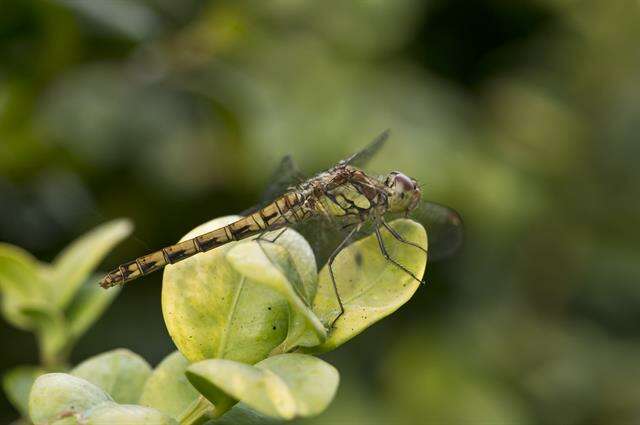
<point x="58" y="302"/>
<point x="246" y="319"/>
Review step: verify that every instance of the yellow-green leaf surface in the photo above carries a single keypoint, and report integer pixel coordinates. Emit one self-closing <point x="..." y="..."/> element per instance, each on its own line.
<point x="17" y="384"/>
<point x="241" y="414"/>
<point x="370" y="287"/>
<point x="60" y="398"/>
<point x="120" y="373"/>
<point x="21" y="281"/>
<point x="124" y="414"/>
<point x="51" y="330"/>
<point x="214" y="311"/>
<point x="74" y="264"/>
<point x="273" y="266"/>
<point x="55" y="396"/>
<point x="283" y="386"/>
<point x="87" y="306"/>
<point x="168" y="389"/>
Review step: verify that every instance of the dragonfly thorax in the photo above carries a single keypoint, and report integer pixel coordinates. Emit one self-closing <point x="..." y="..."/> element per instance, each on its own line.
<point x="405" y="193"/>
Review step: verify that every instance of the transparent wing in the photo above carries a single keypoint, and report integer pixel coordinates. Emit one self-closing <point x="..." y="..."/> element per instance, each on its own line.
<point x="323" y="234"/>
<point x="444" y="229"/>
<point x="285" y="176"/>
<point x="444" y="226"/>
<point x="361" y="158"/>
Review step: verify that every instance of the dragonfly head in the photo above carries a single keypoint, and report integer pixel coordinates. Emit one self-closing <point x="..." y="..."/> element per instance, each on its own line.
<point x="405" y="193"/>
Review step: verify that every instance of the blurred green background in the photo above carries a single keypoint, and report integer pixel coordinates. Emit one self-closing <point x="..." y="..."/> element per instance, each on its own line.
<point x="523" y="115"/>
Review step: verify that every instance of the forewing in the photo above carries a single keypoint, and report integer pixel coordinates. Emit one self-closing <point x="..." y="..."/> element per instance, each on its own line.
<point x="323" y="234"/>
<point x="285" y="176"/>
<point x="445" y="231"/>
<point x="444" y="226"/>
<point x="361" y="158"/>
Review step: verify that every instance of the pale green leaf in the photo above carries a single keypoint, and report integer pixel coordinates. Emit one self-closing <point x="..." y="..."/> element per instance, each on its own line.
<point x="56" y="396"/>
<point x="213" y="311"/>
<point x="304" y="262"/>
<point x="74" y="264"/>
<point x="19" y="272"/>
<point x="124" y="414"/>
<point x="21" y="280"/>
<point x="370" y="287"/>
<point x="311" y="381"/>
<point x="60" y="398"/>
<point x="241" y="414"/>
<point x="120" y="373"/>
<point x="284" y="386"/>
<point x="17" y="384"/>
<point x="272" y="265"/>
<point x="220" y="379"/>
<point x="168" y="389"/>
<point x="51" y="330"/>
<point x="87" y="306"/>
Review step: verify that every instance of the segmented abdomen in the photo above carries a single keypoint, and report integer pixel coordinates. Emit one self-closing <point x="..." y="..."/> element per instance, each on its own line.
<point x="288" y="209"/>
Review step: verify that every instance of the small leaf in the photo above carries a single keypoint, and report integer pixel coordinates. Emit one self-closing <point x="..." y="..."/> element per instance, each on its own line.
<point x="168" y="389"/>
<point x="241" y="414"/>
<point x="19" y="272"/>
<point x="57" y="396"/>
<point x="304" y="261"/>
<point x="120" y="373"/>
<point x="51" y="331"/>
<point x="271" y="265"/>
<point x="212" y="311"/>
<point x="87" y="306"/>
<point x="20" y="281"/>
<point x="370" y="287"/>
<point x="17" y="384"/>
<point x="66" y="399"/>
<point x="312" y="382"/>
<point x="125" y="414"/>
<point x="210" y="376"/>
<point x="284" y="386"/>
<point x="72" y="267"/>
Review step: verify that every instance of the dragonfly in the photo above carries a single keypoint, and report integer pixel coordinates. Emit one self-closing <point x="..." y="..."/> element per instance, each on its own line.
<point x="344" y="194"/>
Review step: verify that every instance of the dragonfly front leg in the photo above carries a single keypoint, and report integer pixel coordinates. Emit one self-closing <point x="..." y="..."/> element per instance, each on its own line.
<point x="399" y="237"/>
<point x="332" y="257"/>
<point x="386" y="255"/>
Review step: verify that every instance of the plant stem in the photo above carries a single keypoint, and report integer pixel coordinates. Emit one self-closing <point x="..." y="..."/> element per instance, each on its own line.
<point x="199" y="412"/>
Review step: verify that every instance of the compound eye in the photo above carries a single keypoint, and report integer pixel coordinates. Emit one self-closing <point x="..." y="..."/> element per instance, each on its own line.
<point x="390" y="178"/>
<point x="404" y="182"/>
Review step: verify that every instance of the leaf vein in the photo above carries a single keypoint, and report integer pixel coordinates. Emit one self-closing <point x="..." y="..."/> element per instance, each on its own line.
<point x="227" y="329"/>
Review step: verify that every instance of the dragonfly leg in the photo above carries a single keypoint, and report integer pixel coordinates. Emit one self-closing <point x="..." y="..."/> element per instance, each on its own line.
<point x="386" y="255"/>
<point x="332" y="257"/>
<point x="262" y="238"/>
<point x="279" y="234"/>
<point x="399" y="237"/>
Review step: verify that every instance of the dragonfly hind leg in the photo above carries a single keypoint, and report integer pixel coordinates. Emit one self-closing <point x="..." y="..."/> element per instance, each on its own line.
<point x="332" y="257"/>
<point x="262" y="238"/>
<point x="386" y="255"/>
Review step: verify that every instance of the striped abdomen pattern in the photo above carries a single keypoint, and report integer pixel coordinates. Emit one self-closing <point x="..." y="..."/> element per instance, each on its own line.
<point x="288" y="209"/>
